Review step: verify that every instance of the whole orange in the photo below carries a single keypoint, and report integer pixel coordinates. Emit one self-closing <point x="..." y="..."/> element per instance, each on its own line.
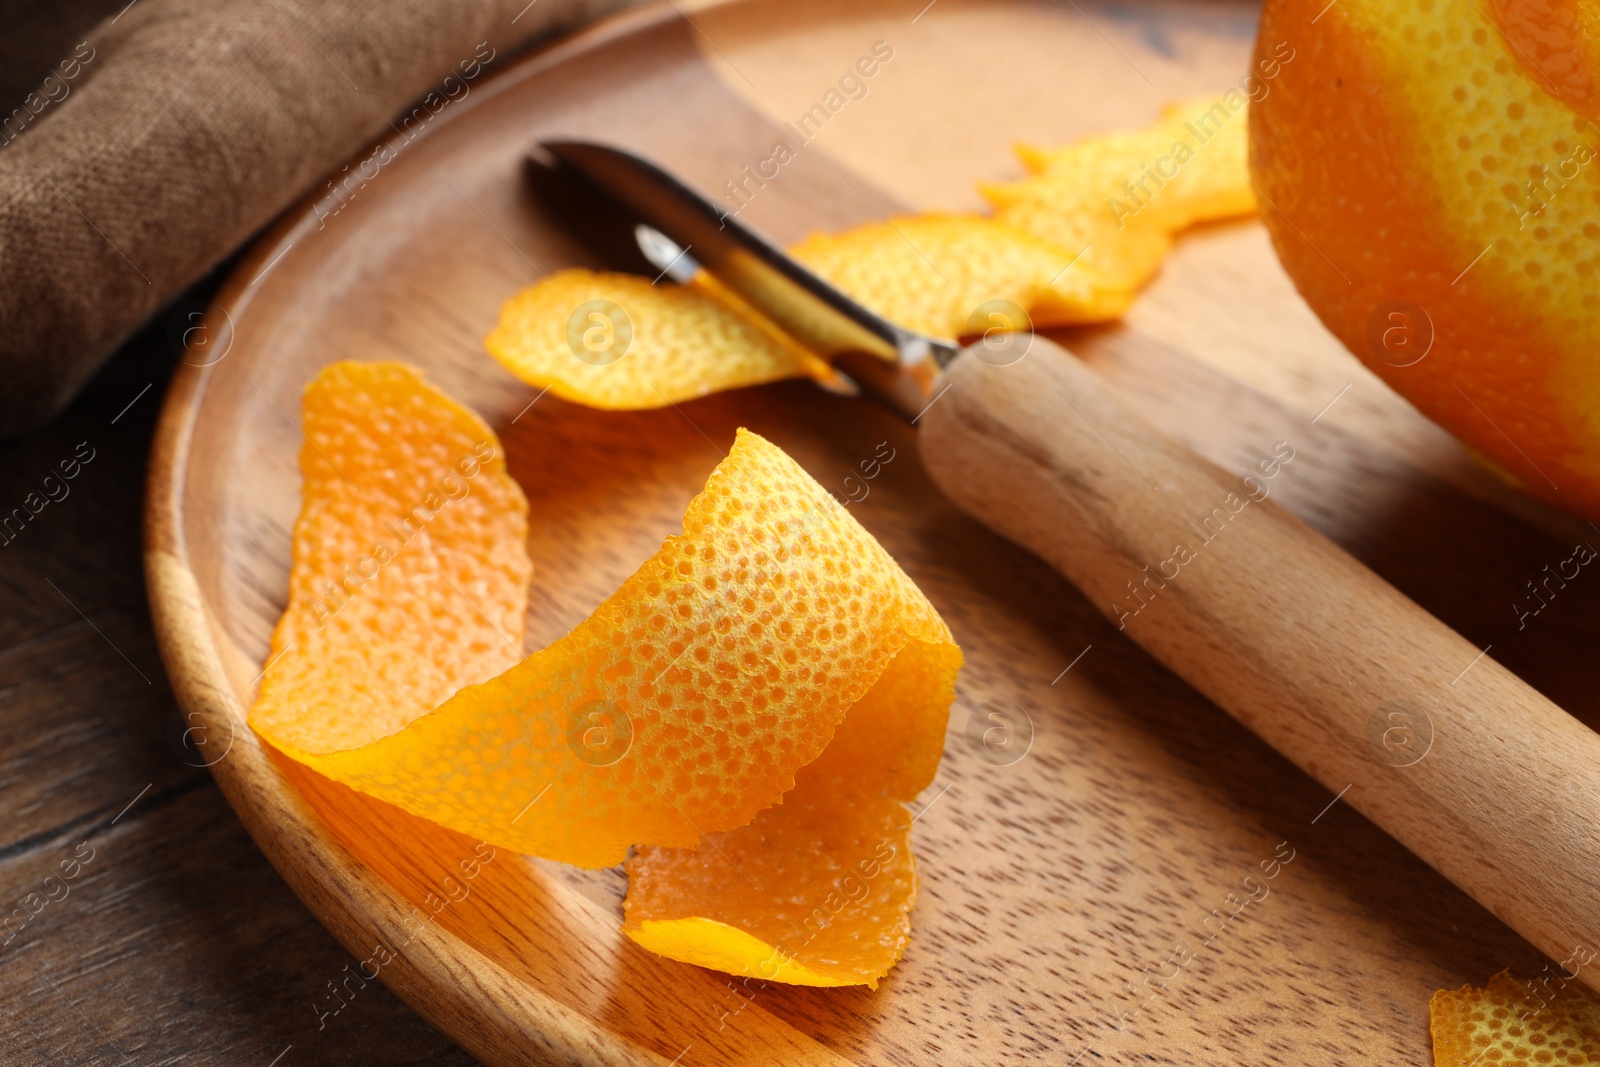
<point x="1427" y="170"/>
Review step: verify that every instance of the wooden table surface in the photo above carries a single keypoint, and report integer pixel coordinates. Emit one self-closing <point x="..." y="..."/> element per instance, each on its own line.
<point x="177" y="942"/>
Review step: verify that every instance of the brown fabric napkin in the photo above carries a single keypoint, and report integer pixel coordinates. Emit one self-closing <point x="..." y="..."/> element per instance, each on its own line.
<point x="177" y="128"/>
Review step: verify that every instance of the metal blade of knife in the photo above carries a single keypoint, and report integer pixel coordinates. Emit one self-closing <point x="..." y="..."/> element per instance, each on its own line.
<point x="681" y="232"/>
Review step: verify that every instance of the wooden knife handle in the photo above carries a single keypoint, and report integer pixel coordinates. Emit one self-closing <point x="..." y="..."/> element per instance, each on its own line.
<point x="1490" y="783"/>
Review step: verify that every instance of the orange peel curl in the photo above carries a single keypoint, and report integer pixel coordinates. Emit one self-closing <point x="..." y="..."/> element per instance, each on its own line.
<point x="1072" y="243"/>
<point x="684" y="705"/>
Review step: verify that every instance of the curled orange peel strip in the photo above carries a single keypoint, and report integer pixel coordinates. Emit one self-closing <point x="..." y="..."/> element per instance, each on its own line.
<point x="683" y="706"/>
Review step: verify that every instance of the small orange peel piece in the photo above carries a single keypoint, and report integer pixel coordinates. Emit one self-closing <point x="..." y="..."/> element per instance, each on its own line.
<point x="684" y="705"/>
<point x="409" y="528"/>
<point x="1515" y="1023"/>
<point x="1121" y="197"/>
<point x="1114" y="263"/>
<point x="617" y="342"/>
<point x="935" y="273"/>
<point x="1189" y="167"/>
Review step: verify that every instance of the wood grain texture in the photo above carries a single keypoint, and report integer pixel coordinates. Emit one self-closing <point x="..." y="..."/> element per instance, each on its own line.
<point x="176" y="942"/>
<point x="1058" y="889"/>
<point x="1410" y="723"/>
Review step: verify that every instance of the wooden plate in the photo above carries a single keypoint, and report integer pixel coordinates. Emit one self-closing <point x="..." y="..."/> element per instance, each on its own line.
<point x="1072" y="901"/>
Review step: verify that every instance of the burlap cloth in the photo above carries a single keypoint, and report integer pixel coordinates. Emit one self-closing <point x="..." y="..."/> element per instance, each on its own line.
<point x="159" y="139"/>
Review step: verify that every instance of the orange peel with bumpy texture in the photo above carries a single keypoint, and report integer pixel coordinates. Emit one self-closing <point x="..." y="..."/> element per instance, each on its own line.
<point x="932" y="273"/>
<point x="684" y="704"/>
<point x="1509" y="1025"/>
<point x="1119" y="261"/>
<point x="410" y="527"/>
<point x="773" y="643"/>
<point x="817" y="891"/>
<point x="1435" y="199"/>
<point x="669" y="344"/>
<point x="1189" y="167"/>
<point x="1120" y="197"/>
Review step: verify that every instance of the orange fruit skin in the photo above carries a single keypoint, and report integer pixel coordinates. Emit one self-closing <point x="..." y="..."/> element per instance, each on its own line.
<point x="1394" y="155"/>
<point x="1551" y="1019"/>
<point x="823" y="883"/>
<point x="770" y="683"/>
<point x="654" y="345"/>
<point x="410" y="528"/>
